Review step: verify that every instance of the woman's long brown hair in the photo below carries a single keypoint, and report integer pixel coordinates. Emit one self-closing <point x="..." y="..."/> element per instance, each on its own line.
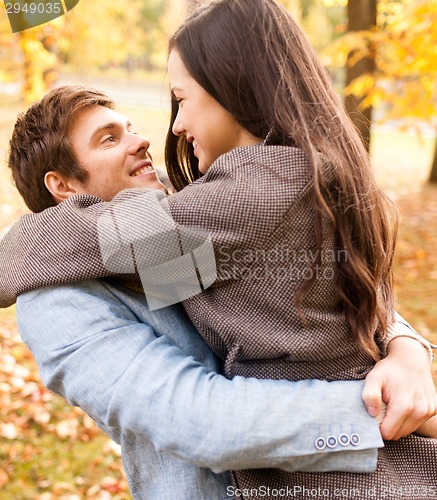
<point x="253" y="58"/>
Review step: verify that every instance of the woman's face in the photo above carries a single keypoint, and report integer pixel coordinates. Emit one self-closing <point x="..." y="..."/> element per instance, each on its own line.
<point x="211" y="129"/>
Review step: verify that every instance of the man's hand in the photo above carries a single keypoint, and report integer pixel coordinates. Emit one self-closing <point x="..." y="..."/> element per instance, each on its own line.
<point x="428" y="429"/>
<point x="403" y="381"/>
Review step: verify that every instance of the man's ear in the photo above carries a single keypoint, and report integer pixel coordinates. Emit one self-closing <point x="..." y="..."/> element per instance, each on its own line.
<point x="59" y="186"/>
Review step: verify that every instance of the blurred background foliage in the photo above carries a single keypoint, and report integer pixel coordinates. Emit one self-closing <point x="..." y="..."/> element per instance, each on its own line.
<point x="382" y="55"/>
<point x="100" y="34"/>
<point x="381" y="52"/>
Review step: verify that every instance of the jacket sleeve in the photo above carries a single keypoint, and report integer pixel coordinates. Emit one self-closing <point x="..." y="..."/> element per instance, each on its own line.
<point x="48" y="248"/>
<point x="84" y="238"/>
<point x="128" y="379"/>
<point x="78" y="240"/>
<point x="401" y="328"/>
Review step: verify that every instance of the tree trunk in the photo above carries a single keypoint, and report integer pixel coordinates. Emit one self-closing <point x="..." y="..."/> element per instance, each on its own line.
<point x="433" y="176"/>
<point x="361" y="16"/>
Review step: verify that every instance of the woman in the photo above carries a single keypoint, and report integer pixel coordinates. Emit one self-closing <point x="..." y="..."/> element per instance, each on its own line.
<point x="256" y="104"/>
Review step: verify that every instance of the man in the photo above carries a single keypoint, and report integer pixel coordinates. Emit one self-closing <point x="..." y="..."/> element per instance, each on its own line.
<point x="174" y="417"/>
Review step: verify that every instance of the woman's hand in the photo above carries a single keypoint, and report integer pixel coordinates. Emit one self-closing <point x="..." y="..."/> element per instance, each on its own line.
<point x="403" y="381"/>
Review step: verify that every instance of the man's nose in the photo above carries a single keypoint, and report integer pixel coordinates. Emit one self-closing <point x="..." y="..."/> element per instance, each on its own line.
<point x="139" y="144"/>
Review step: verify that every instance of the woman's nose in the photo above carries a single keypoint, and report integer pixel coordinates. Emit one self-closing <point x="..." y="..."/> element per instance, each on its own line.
<point x="177" y="126"/>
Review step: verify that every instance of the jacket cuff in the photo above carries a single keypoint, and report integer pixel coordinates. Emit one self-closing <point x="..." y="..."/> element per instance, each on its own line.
<point x="400" y="328"/>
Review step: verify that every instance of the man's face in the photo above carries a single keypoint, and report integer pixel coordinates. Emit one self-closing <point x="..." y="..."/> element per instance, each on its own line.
<point x="114" y="156"/>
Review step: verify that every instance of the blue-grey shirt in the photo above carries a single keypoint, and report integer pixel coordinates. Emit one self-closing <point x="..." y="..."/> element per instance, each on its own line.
<point x="150" y="382"/>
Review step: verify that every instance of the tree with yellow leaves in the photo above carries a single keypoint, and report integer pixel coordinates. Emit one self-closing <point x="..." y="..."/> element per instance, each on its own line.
<point x="404" y="79"/>
<point x="40" y="61"/>
<point x="102" y="32"/>
<point x="32" y="53"/>
<point x="94" y="34"/>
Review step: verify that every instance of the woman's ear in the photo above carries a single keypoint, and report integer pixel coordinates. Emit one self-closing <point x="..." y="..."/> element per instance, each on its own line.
<point x="59" y="186"/>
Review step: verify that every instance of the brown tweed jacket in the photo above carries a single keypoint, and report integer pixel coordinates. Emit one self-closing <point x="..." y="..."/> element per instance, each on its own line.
<point x="257" y="205"/>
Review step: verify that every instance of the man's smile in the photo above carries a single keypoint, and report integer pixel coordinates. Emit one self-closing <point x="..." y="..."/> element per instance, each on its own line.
<point x="145" y="167"/>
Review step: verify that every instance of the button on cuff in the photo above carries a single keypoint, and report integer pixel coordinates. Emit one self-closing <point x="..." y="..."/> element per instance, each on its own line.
<point x="344" y="440"/>
<point x="320" y="444"/>
<point x="355" y="439"/>
<point x="331" y="442"/>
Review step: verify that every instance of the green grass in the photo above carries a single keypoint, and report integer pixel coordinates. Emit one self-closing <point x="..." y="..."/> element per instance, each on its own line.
<point x="53" y="465"/>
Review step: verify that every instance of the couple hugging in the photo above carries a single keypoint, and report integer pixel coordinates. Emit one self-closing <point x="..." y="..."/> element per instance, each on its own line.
<point x="263" y="377"/>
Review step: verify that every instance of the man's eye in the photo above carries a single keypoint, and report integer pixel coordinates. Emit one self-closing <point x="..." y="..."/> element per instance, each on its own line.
<point x="109" y="139"/>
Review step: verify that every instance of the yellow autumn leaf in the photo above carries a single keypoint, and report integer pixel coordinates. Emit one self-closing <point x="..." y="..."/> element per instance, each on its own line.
<point x="421" y="254"/>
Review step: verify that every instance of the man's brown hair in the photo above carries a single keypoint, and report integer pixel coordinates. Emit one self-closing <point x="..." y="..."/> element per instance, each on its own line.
<point x="40" y="142"/>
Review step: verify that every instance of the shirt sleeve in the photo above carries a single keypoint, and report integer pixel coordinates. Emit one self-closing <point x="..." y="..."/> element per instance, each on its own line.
<point x="128" y="379"/>
<point x="401" y="328"/>
<point x="58" y="245"/>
